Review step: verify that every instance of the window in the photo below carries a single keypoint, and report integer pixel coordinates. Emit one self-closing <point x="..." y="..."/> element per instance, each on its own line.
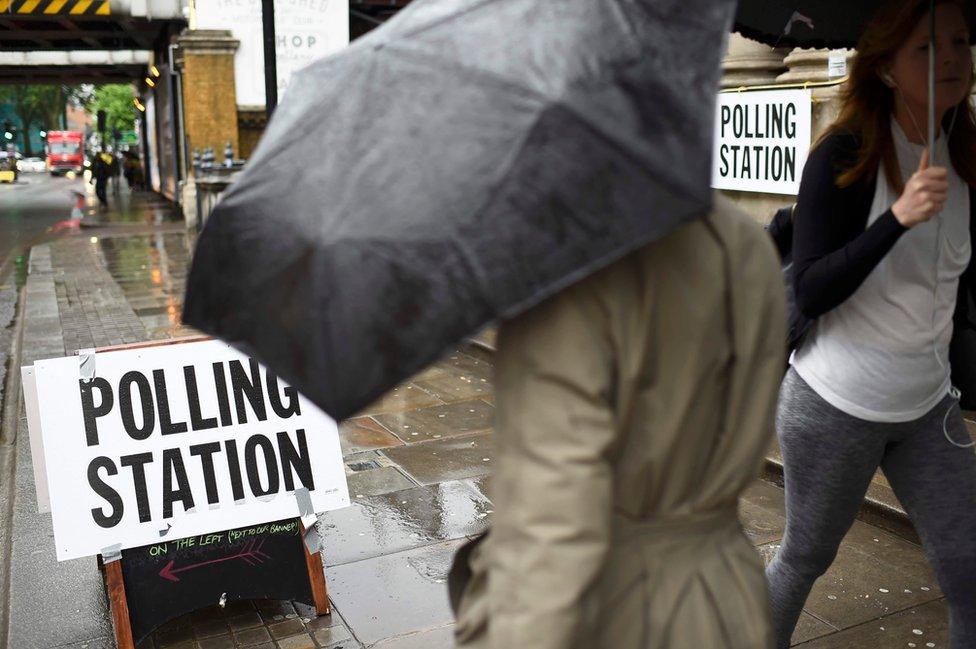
<point x="64" y="148"/>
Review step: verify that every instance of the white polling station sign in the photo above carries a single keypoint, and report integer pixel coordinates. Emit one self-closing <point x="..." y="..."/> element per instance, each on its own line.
<point x="178" y="440"/>
<point x="761" y="141"/>
<point x="34" y="433"/>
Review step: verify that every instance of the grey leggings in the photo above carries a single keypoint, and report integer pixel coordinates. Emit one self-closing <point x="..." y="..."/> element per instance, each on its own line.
<point x="830" y="457"/>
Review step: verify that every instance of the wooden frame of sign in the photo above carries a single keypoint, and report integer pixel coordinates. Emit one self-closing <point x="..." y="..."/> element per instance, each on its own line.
<point x="286" y="533"/>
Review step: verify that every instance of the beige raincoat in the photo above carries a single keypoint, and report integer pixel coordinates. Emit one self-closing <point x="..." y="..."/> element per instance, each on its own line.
<point x="632" y="410"/>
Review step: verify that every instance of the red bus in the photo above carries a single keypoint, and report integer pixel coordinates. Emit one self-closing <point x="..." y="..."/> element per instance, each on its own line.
<point x="65" y="152"/>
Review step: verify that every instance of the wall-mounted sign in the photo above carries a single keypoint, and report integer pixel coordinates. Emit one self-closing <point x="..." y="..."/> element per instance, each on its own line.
<point x="761" y="141"/>
<point x="837" y="65"/>
<point x="175" y="441"/>
<point x="305" y="30"/>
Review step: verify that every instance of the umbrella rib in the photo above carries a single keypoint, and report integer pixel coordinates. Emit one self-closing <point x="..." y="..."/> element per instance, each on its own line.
<point x="433" y="62"/>
<point x="420" y="29"/>
<point x="583" y="272"/>
<point x="440" y="64"/>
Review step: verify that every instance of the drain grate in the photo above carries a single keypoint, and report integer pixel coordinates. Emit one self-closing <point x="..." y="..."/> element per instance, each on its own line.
<point x="363" y="466"/>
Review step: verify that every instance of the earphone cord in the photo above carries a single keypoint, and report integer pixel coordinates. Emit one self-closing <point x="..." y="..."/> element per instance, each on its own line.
<point x="918" y="131"/>
<point x="953" y="390"/>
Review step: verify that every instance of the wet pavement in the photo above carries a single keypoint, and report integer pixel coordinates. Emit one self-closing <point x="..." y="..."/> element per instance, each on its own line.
<point x="418" y="463"/>
<point x="28" y="208"/>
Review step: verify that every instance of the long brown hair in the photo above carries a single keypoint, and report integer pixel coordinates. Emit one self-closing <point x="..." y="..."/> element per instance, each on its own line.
<point x="868" y="104"/>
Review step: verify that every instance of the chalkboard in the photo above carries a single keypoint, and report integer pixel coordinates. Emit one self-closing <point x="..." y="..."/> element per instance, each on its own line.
<point x="171" y="578"/>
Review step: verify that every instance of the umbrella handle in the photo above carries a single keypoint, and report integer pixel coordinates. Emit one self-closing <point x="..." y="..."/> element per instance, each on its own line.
<point x="932" y="82"/>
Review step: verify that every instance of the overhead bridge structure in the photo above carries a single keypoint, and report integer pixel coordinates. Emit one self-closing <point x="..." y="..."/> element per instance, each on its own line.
<point x="81" y="66"/>
<point x="86" y="24"/>
<point x="93" y="41"/>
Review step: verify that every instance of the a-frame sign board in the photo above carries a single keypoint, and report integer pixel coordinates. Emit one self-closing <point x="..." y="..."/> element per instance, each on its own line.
<point x="150" y="585"/>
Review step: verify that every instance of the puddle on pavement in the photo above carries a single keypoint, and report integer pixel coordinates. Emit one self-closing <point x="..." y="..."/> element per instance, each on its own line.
<point x="397" y="595"/>
<point x="151" y="271"/>
<point x="452" y="458"/>
<point x="437" y="422"/>
<point x="401" y="520"/>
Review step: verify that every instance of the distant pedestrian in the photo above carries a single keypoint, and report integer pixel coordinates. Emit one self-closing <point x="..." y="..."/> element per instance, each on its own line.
<point x="116" y="172"/>
<point x="882" y="247"/>
<point x="101" y="171"/>
<point x="632" y="410"/>
<point x="132" y="170"/>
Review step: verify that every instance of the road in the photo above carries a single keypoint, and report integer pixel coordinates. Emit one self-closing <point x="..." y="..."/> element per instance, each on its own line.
<point x="29" y="207"/>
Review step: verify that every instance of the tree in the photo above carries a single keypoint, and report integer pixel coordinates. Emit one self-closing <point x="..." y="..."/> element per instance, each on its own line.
<point x="38" y="105"/>
<point x="26" y="104"/>
<point x="116" y="100"/>
<point x="53" y="100"/>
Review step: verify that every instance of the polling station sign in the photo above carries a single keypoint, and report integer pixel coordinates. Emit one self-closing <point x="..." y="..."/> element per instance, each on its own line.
<point x="152" y="444"/>
<point x="761" y="141"/>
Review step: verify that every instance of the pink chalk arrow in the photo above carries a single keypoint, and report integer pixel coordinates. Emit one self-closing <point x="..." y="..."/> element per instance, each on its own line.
<point x="250" y="554"/>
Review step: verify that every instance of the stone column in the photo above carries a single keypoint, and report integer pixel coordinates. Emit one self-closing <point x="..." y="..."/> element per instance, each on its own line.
<point x="750" y="63"/>
<point x="206" y="63"/>
<point x="812" y="65"/>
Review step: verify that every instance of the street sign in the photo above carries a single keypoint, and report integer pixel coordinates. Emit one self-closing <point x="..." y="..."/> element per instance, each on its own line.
<point x="151" y="444"/>
<point x="761" y="141"/>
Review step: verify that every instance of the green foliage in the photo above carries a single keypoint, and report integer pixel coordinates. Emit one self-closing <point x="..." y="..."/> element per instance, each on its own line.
<point x="116" y="100"/>
<point x="38" y="106"/>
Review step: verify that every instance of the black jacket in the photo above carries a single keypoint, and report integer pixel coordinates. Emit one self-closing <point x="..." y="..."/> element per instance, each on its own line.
<point x="833" y="252"/>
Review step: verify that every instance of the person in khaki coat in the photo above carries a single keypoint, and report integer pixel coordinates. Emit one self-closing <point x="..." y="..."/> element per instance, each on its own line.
<point x="632" y="410"/>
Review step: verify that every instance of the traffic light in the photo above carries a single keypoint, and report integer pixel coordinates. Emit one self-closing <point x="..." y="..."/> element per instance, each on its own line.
<point x="8" y="130"/>
<point x="100" y="116"/>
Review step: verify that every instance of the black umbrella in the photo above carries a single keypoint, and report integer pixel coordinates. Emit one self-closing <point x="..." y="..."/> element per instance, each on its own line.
<point x="456" y="166"/>
<point x="827" y="23"/>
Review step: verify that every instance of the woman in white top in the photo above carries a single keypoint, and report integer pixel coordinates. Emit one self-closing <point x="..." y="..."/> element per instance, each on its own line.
<point x="882" y="240"/>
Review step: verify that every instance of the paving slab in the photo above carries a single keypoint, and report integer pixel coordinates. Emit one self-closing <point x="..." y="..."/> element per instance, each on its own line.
<point x="921" y="627"/>
<point x="436" y="422"/>
<point x="761" y="513"/>
<point x="389" y="523"/>
<point x="869" y="578"/>
<point x="481" y="485"/>
<point x="95" y="643"/>
<point x="394" y="595"/>
<point x="445" y="459"/>
<point x="375" y="482"/>
<point x="442" y="638"/>
<point x="449" y="386"/>
<point x="809" y="627"/>
<point x="403" y="397"/>
<point x="365" y="434"/>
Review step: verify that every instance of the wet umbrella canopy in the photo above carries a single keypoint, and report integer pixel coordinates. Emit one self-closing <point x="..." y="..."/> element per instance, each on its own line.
<point x="456" y="166"/>
<point x="811" y="23"/>
<point x="829" y="23"/>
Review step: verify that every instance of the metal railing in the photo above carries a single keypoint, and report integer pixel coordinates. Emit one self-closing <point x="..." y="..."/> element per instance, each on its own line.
<point x="212" y="180"/>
